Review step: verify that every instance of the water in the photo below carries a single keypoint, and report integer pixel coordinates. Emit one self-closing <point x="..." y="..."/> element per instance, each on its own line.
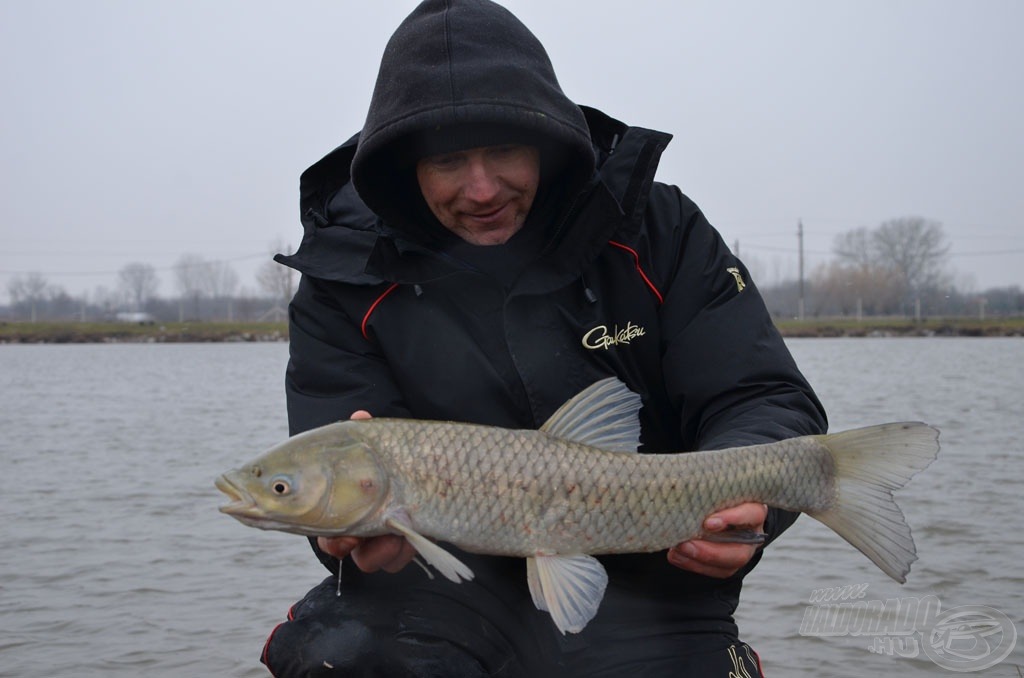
<point x="963" y="509"/>
<point x="115" y="561"/>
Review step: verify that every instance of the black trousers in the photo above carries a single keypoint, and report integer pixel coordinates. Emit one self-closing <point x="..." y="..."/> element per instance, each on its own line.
<point x="408" y="625"/>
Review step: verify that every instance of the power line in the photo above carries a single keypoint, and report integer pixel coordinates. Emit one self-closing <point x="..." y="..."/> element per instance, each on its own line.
<point x="989" y="253"/>
<point x="792" y="250"/>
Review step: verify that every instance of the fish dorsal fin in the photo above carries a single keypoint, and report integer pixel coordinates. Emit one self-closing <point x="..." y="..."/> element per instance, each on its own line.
<point x="603" y="415"/>
<point x="569" y="588"/>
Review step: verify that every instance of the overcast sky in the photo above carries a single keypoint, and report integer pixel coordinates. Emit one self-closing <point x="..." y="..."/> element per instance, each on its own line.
<point x="141" y="131"/>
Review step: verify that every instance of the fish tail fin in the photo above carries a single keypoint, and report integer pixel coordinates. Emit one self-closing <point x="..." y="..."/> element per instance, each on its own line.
<point x="870" y="464"/>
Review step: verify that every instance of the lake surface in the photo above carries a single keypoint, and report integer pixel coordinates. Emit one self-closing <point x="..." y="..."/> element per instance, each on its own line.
<point x="116" y="562"/>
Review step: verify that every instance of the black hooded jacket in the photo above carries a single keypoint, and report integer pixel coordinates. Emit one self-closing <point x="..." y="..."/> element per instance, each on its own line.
<point x="631" y="281"/>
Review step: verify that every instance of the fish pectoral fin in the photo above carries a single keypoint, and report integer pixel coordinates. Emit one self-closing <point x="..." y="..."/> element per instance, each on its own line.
<point x="568" y="587"/>
<point x="448" y="565"/>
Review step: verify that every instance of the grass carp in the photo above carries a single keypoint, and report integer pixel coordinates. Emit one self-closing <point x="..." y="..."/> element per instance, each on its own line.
<point x="571" y="490"/>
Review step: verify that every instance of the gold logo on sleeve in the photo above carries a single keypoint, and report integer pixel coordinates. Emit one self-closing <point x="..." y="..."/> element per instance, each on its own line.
<point x="740" y="285"/>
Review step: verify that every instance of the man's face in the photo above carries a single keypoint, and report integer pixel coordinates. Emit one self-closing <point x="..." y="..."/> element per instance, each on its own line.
<point x="481" y="194"/>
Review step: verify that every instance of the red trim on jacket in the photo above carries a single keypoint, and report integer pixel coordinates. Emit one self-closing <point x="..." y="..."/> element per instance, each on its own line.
<point x="266" y="649"/>
<point x="639" y="269"/>
<point x="266" y="645"/>
<point x="373" y="307"/>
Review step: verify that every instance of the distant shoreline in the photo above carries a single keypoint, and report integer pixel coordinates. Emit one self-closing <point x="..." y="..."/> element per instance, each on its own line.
<point x="207" y="332"/>
<point x="150" y="333"/>
<point x="902" y="327"/>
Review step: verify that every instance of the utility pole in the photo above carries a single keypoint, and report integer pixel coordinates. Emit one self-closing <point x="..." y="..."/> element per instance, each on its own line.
<point x="800" y="239"/>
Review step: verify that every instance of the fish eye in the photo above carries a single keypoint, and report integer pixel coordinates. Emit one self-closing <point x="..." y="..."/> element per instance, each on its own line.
<point x="280" y="486"/>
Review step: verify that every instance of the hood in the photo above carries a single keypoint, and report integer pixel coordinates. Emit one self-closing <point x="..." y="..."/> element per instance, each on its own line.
<point x="454" y="65"/>
<point x="341" y="234"/>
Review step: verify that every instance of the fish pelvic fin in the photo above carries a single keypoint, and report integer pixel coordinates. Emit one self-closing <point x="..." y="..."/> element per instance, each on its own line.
<point x="605" y="415"/>
<point x="569" y="588"/>
<point x="444" y="562"/>
<point x="870" y="463"/>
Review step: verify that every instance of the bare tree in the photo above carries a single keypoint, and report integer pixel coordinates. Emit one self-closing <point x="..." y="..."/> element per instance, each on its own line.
<point x="277" y="280"/>
<point x="189" y="273"/>
<point x="831" y="289"/>
<point x="139" y="283"/>
<point x="31" y="290"/>
<point x="913" y="249"/>
<point x="850" y="290"/>
<point x="890" y="265"/>
<point x="219" y="279"/>
<point x="854" y="248"/>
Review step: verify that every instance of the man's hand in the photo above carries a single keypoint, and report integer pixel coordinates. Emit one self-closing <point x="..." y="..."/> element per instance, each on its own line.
<point x="387" y="552"/>
<point x="716" y="559"/>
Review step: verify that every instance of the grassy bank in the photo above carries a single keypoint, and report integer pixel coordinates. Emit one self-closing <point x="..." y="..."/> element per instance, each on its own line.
<point x="109" y="332"/>
<point x="902" y="327"/>
<point x="77" y="332"/>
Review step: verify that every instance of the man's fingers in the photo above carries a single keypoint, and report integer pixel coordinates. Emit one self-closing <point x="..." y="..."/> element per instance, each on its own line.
<point x="404" y="557"/>
<point x="711" y="559"/>
<point x="388" y="552"/>
<point x="339" y="547"/>
<point x="749" y="515"/>
<point x="716" y="558"/>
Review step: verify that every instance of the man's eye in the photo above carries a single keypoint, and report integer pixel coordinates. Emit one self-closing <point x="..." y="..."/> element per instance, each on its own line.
<point x="504" y="150"/>
<point x="445" y="161"/>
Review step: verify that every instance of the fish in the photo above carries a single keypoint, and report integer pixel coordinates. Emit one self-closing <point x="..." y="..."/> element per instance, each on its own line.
<point x="571" y="490"/>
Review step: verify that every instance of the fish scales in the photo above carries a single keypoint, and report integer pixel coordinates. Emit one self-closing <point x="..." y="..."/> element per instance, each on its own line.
<point x="572" y="490"/>
<point x="517" y="493"/>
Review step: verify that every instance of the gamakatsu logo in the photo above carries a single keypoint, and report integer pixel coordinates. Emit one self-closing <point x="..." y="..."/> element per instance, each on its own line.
<point x="601" y="337"/>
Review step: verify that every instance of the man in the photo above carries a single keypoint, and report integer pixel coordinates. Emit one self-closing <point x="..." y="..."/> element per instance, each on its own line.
<point x="482" y="251"/>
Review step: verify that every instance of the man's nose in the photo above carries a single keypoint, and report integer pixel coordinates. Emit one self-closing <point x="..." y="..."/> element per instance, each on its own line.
<point x="482" y="183"/>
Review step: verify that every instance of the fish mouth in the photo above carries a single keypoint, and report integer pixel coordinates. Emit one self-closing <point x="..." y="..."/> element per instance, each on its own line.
<point x="241" y="504"/>
<point x="244" y="509"/>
